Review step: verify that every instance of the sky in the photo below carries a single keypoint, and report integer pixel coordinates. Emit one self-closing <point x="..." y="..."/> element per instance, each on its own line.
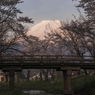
<point x="40" y="10"/>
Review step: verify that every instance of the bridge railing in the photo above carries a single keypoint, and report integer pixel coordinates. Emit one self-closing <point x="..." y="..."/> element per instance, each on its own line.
<point x="48" y="58"/>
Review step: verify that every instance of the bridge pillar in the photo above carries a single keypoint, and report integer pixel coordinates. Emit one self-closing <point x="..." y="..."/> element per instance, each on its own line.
<point x="11" y="84"/>
<point x="67" y="82"/>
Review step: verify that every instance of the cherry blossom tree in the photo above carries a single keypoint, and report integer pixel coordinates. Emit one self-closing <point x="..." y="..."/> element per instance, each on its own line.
<point x="11" y="22"/>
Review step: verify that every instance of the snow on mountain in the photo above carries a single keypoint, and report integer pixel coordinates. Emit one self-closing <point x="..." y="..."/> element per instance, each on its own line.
<point x="41" y="29"/>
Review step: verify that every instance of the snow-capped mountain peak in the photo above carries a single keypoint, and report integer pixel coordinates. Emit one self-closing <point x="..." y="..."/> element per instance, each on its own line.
<point x="41" y="29"/>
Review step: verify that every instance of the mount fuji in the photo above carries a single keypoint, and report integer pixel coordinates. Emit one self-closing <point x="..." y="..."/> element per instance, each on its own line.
<point x="41" y="29"/>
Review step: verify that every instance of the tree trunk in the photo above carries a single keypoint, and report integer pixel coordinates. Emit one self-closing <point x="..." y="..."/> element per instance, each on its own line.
<point x="85" y="71"/>
<point x="28" y="73"/>
<point x="78" y="72"/>
<point x="6" y="75"/>
<point x="52" y="74"/>
<point x="40" y="75"/>
<point x="17" y="76"/>
<point x="45" y="74"/>
<point x="52" y="77"/>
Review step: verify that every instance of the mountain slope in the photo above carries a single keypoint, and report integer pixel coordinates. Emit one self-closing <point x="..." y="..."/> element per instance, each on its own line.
<point x="41" y="29"/>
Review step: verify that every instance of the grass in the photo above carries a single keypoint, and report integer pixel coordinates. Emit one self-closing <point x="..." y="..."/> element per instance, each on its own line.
<point x="50" y="86"/>
<point x="84" y="85"/>
<point x="6" y="91"/>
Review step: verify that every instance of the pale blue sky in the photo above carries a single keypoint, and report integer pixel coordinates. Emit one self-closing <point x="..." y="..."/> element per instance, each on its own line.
<point x="49" y="10"/>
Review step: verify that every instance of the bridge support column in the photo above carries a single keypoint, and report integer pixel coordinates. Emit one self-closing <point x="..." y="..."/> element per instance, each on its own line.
<point x="67" y="82"/>
<point x="11" y="84"/>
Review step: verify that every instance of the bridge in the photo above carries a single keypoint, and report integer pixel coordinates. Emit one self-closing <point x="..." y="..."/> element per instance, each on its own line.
<point x="59" y="62"/>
